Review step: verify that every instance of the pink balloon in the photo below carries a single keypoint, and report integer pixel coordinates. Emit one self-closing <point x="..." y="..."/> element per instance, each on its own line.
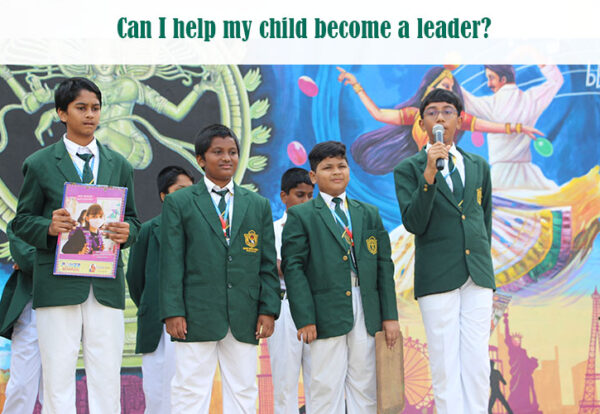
<point x="296" y="153"/>
<point x="308" y="86"/>
<point x="477" y="138"/>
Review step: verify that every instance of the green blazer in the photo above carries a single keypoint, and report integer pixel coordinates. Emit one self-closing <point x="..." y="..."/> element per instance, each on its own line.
<point x="451" y="243"/>
<point x="17" y="291"/>
<point x="316" y="268"/>
<point x="45" y="173"/>
<point x="142" y="278"/>
<point x="213" y="285"/>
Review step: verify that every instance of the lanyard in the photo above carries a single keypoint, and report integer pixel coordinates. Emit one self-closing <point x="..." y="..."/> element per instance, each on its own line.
<point x="80" y="173"/>
<point x="348" y="228"/>
<point x="347" y="235"/>
<point x="453" y="169"/>
<point x="223" y="218"/>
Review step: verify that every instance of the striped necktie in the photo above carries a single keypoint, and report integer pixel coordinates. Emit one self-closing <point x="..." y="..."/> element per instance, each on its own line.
<point x="87" y="176"/>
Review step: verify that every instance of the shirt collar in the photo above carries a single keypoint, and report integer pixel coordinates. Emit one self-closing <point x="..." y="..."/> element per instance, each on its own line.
<point x="73" y="149"/>
<point x="329" y="198"/>
<point x="453" y="150"/>
<point x="212" y="186"/>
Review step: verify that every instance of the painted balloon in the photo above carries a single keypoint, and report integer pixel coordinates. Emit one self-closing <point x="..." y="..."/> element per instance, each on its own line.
<point x="296" y="153"/>
<point x="477" y="138"/>
<point x="543" y="147"/>
<point x="308" y="86"/>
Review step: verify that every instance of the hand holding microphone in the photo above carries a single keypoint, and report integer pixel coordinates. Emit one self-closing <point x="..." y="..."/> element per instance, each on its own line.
<point x="438" y="131"/>
<point x="436" y="155"/>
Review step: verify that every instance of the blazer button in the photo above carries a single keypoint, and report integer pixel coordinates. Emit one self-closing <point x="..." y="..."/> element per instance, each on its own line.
<point x="348" y="293"/>
<point x="229" y="285"/>
<point x="463" y="217"/>
<point x="344" y="258"/>
<point x="467" y="252"/>
<point x="230" y="258"/>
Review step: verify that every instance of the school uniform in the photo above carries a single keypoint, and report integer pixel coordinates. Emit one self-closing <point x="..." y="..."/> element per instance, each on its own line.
<point x="158" y="359"/>
<point x="454" y="276"/>
<point x="220" y="286"/>
<point x="73" y="309"/>
<point x="346" y="302"/>
<point x="287" y="353"/>
<point x="17" y="323"/>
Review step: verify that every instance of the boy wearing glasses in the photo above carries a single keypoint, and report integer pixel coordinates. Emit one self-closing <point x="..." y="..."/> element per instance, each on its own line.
<point x="450" y="213"/>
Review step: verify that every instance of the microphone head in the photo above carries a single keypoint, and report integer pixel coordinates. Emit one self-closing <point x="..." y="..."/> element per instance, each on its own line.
<point x="438" y="131"/>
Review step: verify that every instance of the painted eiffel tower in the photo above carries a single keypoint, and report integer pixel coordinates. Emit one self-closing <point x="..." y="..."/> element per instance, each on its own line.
<point x="589" y="404"/>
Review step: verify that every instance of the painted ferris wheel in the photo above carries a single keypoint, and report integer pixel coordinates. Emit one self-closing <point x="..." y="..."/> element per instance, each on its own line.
<point x="417" y="377"/>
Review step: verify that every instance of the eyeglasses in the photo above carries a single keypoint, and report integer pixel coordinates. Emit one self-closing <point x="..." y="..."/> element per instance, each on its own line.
<point x="446" y="113"/>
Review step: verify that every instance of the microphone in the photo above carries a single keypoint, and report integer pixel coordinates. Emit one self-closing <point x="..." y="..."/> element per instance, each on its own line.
<point x="438" y="130"/>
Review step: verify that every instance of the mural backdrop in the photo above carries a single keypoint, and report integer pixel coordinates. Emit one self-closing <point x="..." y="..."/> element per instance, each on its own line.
<point x="546" y="190"/>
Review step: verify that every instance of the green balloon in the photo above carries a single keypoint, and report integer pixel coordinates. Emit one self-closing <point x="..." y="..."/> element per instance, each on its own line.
<point x="543" y="147"/>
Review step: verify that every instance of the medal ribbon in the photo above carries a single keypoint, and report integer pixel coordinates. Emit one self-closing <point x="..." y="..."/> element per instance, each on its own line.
<point x="223" y="217"/>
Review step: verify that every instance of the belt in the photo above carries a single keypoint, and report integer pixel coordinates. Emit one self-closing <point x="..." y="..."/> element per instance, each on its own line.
<point x="354" y="281"/>
<point x="283" y="294"/>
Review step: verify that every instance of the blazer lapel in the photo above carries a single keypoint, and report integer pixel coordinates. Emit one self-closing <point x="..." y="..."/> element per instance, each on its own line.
<point x="240" y="205"/>
<point x="470" y="182"/>
<point x="329" y="221"/>
<point x="207" y="209"/>
<point x="356" y="217"/>
<point x="156" y="230"/>
<point x="65" y="163"/>
<point x="439" y="179"/>
<point x="105" y="168"/>
<point x="445" y="190"/>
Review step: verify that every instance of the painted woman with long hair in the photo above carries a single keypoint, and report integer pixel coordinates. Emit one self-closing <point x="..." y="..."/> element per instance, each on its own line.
<point x="379" y="151"/>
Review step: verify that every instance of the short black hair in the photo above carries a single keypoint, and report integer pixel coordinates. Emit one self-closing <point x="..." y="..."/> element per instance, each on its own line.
<point x="324" y="150"/>
<point x="507" y="71"/>
<point x="168" y="176"/>
<point x="69" y="89"/>
<point x="442" y="95"/>
<point x="205" y="136"/>
<point x="293" y="177"/>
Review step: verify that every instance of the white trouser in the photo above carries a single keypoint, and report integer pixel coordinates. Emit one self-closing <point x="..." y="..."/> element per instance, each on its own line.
<point x="345" y="364"/>
<point x="457" y="325"/>
<point x="24" y="384"/>
<point x="287" y="356"/>
<point x="158" y="368"/>
<point x="101" y="331"/>
<point x="196" y="363"/>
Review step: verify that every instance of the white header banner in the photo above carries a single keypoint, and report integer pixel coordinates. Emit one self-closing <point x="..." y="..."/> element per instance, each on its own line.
<point x="317" y="32"/>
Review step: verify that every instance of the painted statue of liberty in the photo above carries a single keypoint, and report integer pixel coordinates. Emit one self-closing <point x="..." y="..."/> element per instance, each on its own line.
<point x="123" y="88"/>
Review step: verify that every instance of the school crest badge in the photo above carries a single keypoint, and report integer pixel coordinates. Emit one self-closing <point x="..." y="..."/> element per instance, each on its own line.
<point x="251" y="240"/>
<point x="372" y="245"/>
<point x="479" y="196"/>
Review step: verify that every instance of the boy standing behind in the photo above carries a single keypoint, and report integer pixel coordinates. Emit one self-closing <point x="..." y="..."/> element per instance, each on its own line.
<point x="72" y="309"/>
<point x="218" y="279"/>
<point x="287" y="353"/>
<point x="339" y="277"/>
<point x="158" y="359"/>
<point x="17" y="323"/>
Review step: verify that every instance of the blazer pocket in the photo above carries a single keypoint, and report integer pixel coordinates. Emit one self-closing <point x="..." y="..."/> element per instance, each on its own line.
<point x="371" y="243"/>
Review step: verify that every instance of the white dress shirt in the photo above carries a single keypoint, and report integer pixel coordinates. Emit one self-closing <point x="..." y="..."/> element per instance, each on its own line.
<point x="210" y="186"/>
<point x="329" y="202"/>
<point x="458" y="162"/>
<point x="92" y="148"/>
